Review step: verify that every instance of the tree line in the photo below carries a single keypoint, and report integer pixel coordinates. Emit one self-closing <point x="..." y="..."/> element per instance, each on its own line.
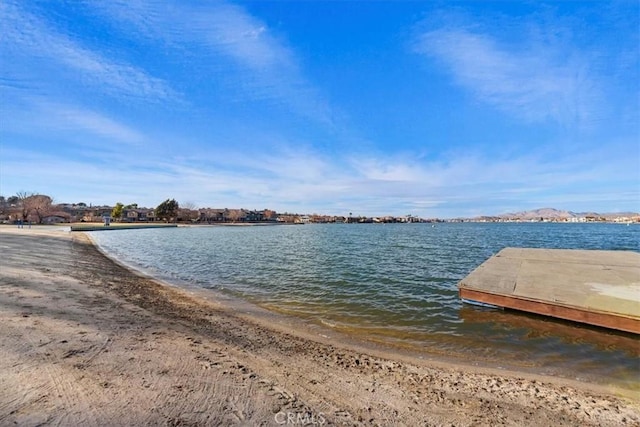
<point x="35" y="208"/>
<point x="27" y="206"/>
<point x="167" y="210"/>
<point x="40" y="208"/>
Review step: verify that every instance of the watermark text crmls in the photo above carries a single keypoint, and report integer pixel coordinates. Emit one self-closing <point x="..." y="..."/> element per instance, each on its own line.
<point x="299" y="418"/>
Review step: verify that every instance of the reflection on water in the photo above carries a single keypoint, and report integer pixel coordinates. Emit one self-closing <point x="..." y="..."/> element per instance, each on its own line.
<point x="540" y="327"/>
<point x="598" y="350"/>
<point x="394" y="283"/>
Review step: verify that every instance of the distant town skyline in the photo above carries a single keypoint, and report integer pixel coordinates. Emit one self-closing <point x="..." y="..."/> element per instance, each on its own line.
<point x="437" y="110"/>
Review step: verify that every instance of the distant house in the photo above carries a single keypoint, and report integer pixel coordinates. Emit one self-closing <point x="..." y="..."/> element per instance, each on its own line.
<point x="102" y="211"/>
<point x="130" y="215"/>
<point x="56" y="218"/>
<point x="211" y="215"/>
<point x="254" y="216"/>
<point x="138" y="215"/>
<point x="89" y="214"/>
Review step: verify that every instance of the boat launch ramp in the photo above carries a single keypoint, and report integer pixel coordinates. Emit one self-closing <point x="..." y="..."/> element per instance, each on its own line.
<point x="595" y="287"/>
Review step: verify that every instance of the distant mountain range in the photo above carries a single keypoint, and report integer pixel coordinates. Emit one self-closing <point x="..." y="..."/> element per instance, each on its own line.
<point x="555" y="214"/>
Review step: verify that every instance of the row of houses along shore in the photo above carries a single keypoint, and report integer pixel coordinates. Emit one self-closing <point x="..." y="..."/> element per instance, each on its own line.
<point x="68" y="213"/>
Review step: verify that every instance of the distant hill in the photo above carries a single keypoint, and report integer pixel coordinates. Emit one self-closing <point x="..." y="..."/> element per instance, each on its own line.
<point x="555" y="214"/>
<point x="549" y="213"/>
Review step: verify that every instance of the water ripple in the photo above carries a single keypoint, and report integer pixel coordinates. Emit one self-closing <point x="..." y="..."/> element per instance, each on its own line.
<point x="393" y="282"/>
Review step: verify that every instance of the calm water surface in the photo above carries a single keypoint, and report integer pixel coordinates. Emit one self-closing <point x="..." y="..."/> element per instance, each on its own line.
<point x="393" y="283"/>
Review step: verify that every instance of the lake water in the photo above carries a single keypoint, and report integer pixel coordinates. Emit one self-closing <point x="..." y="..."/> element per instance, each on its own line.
<point x="393" y="283"/>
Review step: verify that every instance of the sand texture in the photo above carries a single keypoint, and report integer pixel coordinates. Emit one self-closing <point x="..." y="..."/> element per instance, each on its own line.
<point x="84" y="341"/>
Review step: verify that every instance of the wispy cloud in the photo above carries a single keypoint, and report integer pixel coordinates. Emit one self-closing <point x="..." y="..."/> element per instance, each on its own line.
<point x="239" y="49"/>
<point x="230" y="29"/>
<point x="38" y="116"/>
<point x="28" y="35"/>
<point x="252" y="129"/>
<point x="66" y="118"/>
<point x="530" y="80"/>
<point x="377" y="185"/>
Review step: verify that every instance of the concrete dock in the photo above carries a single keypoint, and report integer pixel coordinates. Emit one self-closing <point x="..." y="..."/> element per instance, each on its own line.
<point x="599" y="288"/>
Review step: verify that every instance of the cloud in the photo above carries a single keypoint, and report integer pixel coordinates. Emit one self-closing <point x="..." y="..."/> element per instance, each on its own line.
<point x="376" y="185"/>
<point x="463" y="180"/>
<point x="66" y="118"/>
<point x="39" y="116"/>
<point x="380" y="169"/>
<point x="229" y="29"/>
<point x="532" y="81"/>
<point x="233" y="48"/>
<point x="26" y="35"/>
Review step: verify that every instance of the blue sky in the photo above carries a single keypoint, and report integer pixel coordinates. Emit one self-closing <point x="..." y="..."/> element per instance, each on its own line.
<point x="435" y="109"/>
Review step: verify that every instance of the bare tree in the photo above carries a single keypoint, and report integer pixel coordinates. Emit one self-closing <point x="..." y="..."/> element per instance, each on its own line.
<point x="234" y="214"/>
<point x="188" y="211"/>
<point x="21" y="207"/>
<point x="38" y="205"/>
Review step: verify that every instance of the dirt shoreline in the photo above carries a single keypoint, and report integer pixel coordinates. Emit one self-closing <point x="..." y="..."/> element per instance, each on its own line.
<point x="84" y="340"/>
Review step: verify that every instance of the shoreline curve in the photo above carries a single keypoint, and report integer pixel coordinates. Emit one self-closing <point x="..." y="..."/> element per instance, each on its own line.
<point x="84" y="339"/>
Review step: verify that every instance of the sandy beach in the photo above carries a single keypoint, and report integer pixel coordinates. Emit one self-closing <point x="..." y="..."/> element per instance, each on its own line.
<point x="85" y="341"/>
